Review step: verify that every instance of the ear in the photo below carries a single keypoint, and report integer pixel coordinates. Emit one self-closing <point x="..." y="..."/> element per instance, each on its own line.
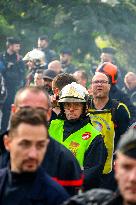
<point x="13" y="108"/>
<point x="7" y="141"/>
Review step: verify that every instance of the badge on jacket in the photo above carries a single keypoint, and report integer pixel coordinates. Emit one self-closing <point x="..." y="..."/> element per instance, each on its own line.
<point x="86" y="135"/>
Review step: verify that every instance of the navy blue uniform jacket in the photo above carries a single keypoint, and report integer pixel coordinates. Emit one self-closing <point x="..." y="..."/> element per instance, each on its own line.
<point x="59" y="163"/>
<point x="45" y="191"/>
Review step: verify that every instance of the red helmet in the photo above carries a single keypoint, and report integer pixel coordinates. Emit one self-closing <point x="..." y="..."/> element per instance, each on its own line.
<point x="109" y="69"/>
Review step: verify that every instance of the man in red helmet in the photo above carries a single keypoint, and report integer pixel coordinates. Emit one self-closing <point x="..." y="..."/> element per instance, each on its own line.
<point x="115" y="93"/>
<point x="108" y="55"/>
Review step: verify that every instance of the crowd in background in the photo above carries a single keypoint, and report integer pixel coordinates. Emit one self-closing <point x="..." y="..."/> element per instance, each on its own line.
<point x="100" y="107"/>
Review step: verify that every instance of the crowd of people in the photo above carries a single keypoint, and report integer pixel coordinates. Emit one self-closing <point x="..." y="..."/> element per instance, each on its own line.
<point x="66" y="137"/>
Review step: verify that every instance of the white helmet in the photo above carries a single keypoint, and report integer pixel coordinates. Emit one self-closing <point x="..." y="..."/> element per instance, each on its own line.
<point x="35" y="55"/>
<point x="73" y="92"/>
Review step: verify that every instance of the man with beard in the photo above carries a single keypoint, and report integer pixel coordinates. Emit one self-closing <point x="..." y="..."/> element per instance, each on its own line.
<point x="111" y="117"/>
<point x="48" y="76"/>
<point x="14" y="75"/>
<point x="101" y="86"/>
<point x="25" y="182"/>
<point x="111" y="71"/>
<point x="43" y="45"/>
<point x="65" y="59"/>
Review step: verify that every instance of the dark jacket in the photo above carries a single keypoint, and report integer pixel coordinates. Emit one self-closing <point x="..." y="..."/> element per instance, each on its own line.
<point x="70" y="68"/>
<point x="131" y="93"/>
<point x="95" y="156"/>
<point x="96" y="197"/>
<point x="115" y="93"/>
<point x="3" y="90"/>
<point x="59" y="163"/>
<point x="14" y="71"/>
<point x="50" y="55"/>
<point x="43" y="192"/>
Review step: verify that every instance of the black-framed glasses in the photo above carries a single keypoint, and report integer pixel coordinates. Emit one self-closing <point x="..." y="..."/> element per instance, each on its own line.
<point x="100" y="82"/>
<point x="75" y="105"/>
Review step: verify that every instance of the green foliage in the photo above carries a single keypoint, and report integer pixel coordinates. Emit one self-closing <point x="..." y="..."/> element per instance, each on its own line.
<point x="86" y="26"/>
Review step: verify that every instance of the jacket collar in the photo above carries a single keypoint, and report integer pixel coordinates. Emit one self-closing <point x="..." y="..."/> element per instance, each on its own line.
<point x="38" y="192"/>
<point x="3" y="175"/>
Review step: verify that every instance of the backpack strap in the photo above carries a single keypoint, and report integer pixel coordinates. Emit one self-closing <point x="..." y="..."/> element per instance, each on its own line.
<point x="115" y="105"/>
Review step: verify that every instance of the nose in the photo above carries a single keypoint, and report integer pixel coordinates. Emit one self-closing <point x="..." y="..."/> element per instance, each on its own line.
<point x="71" y="108"/>
<point x="32" y="152"/>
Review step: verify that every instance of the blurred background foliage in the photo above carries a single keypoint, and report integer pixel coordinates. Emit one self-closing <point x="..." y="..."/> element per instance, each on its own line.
<point x="86" y="26"/>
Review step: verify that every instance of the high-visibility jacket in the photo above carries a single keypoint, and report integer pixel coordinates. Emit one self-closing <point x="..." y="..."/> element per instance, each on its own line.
<point x="102" y="121"/>
<point x="78" y="142"/>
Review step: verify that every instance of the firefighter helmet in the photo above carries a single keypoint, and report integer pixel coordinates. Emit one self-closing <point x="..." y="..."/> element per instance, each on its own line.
<point x="35" y="55"/>
<point x="73" y="92"/>
<point x="109" y="69"/>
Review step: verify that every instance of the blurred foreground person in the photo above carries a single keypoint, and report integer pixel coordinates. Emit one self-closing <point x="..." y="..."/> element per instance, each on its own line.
<point x="25" y="182"/>
<point x="59" y="162"/>
<point x="125" y="174"/>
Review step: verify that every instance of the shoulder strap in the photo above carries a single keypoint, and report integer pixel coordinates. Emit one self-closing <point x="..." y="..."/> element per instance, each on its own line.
<point x="115" y="104"/>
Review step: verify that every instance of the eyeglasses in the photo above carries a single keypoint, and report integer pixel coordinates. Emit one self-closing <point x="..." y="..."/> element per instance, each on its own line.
<point x="38" y="108"/>
<point x="100" y="82"/>
<point x="74" y="105"/>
